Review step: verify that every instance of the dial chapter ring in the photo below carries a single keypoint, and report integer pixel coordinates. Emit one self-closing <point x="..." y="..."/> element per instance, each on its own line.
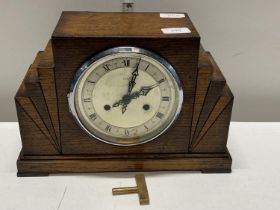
<point x="124" y="49"/>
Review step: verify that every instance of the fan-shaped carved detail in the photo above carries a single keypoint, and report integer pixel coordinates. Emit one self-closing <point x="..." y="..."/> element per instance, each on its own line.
<point x="35" y="138"/>
<point x="35" y="98"/>
<point x="203" y="81"/>
<point x="220" y="106"/>
<point x="212" y="97"/>
<point x="214" y="91"/>
<point x="215" y="138"/>
<point x="35" y="93"/>
<point x="46" y="77"/>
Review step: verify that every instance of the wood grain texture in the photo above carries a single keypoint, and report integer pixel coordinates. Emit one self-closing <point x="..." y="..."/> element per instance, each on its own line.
<point x="126" y="156"/>
<point x="214" y="90"/>
<point x="34" y="141"/>
<point x="34" y="134"/>
<point x="215" y="139"/>
<point x="54" y="143"/>
<point x="205" y="164"/>
<point x="205" y="71"/>
<point x="119" y="25"/>
<point x="225" y="98"/>
<point x="35" y="93"/>
<point x="45" y="69"/>
<point x="70" y="51"/>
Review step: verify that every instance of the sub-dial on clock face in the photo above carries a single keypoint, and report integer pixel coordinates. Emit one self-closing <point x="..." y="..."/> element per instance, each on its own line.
<point x="126" y="98"/>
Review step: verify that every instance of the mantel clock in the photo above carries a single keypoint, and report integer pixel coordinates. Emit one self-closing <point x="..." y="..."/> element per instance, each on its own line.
<point x="123" y="92"/>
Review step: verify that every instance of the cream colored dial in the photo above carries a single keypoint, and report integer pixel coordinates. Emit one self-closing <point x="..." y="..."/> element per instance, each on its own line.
<point x="126" y="98"/>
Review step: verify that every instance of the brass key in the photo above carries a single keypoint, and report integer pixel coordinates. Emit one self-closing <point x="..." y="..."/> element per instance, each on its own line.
<point x="141" y="189"/>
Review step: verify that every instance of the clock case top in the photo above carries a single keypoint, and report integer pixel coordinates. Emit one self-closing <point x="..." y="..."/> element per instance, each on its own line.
<point x="48" y="128"/>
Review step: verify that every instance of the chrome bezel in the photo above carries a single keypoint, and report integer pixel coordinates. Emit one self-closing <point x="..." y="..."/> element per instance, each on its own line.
<point x="123" y="49"/>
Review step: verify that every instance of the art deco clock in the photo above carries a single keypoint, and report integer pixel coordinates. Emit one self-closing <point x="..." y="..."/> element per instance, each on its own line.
<point x="116" y="92"/>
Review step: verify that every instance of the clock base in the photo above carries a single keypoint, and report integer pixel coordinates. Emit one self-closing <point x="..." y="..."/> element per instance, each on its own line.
<point x="45" y="165"/>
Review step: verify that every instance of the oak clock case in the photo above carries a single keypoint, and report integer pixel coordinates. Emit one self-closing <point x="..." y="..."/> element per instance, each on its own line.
<point x="125" y="96"/>
<point x="102" y="98"/>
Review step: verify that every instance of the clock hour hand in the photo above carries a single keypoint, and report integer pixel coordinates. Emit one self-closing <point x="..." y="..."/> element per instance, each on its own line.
<point x="123" y="103"/>
<point x="118" y="103"/>
<point x="132" y="82"/>
<point x="124" y="108"/>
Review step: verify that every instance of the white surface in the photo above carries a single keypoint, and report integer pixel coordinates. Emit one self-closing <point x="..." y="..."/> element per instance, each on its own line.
<point x="182" y="30"/>
<point x="172" y="15"/>
<point x="243" y="37"/>
<point x="253" y="184"/>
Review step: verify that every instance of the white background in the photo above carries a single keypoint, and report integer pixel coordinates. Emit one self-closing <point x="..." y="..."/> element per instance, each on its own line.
<point x="243" y="36"/>
<point x="254" y="183"/>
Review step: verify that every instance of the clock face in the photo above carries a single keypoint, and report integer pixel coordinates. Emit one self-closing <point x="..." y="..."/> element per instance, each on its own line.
<point x="125" y="96"/>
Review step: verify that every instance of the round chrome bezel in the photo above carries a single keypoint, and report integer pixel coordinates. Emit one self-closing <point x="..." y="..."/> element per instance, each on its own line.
<point x="123" y="49"/>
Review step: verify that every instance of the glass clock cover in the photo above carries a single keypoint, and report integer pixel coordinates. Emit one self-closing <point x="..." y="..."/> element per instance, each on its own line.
<point x="125" y="96"/>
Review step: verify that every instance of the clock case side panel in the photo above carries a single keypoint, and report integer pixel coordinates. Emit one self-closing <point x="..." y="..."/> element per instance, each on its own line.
<point x="70" y="53"/>
<point x="212" y="108"/>
<point x="35" y="133"/>
<point x="46" y="79"/>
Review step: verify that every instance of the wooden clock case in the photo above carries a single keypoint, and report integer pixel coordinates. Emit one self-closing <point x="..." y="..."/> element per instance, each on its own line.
<point x="53" y="142"/>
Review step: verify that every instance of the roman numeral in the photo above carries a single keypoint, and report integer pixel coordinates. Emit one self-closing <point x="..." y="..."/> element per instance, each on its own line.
<point x="108" y="128"/>
<point x="93" y="116"/>
<point x="165" y="98"/>
<point x="161" y="81"/>
<point x="106" y="67"/>
<point x="146" y="127"/>
<point x="147" y="67"/>
<point x="126" y="62"/>
<point x="126" y="132"/>
<point x="159" y="115"/>
<point x="87" y="100"/>
<point x="91" y="81"/>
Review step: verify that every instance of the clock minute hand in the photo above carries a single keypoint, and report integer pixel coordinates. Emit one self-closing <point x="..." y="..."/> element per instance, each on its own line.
<point x="144" y="90"/>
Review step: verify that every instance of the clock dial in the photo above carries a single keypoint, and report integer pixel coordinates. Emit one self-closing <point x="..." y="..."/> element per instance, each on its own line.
<point x="125" y="96"/>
